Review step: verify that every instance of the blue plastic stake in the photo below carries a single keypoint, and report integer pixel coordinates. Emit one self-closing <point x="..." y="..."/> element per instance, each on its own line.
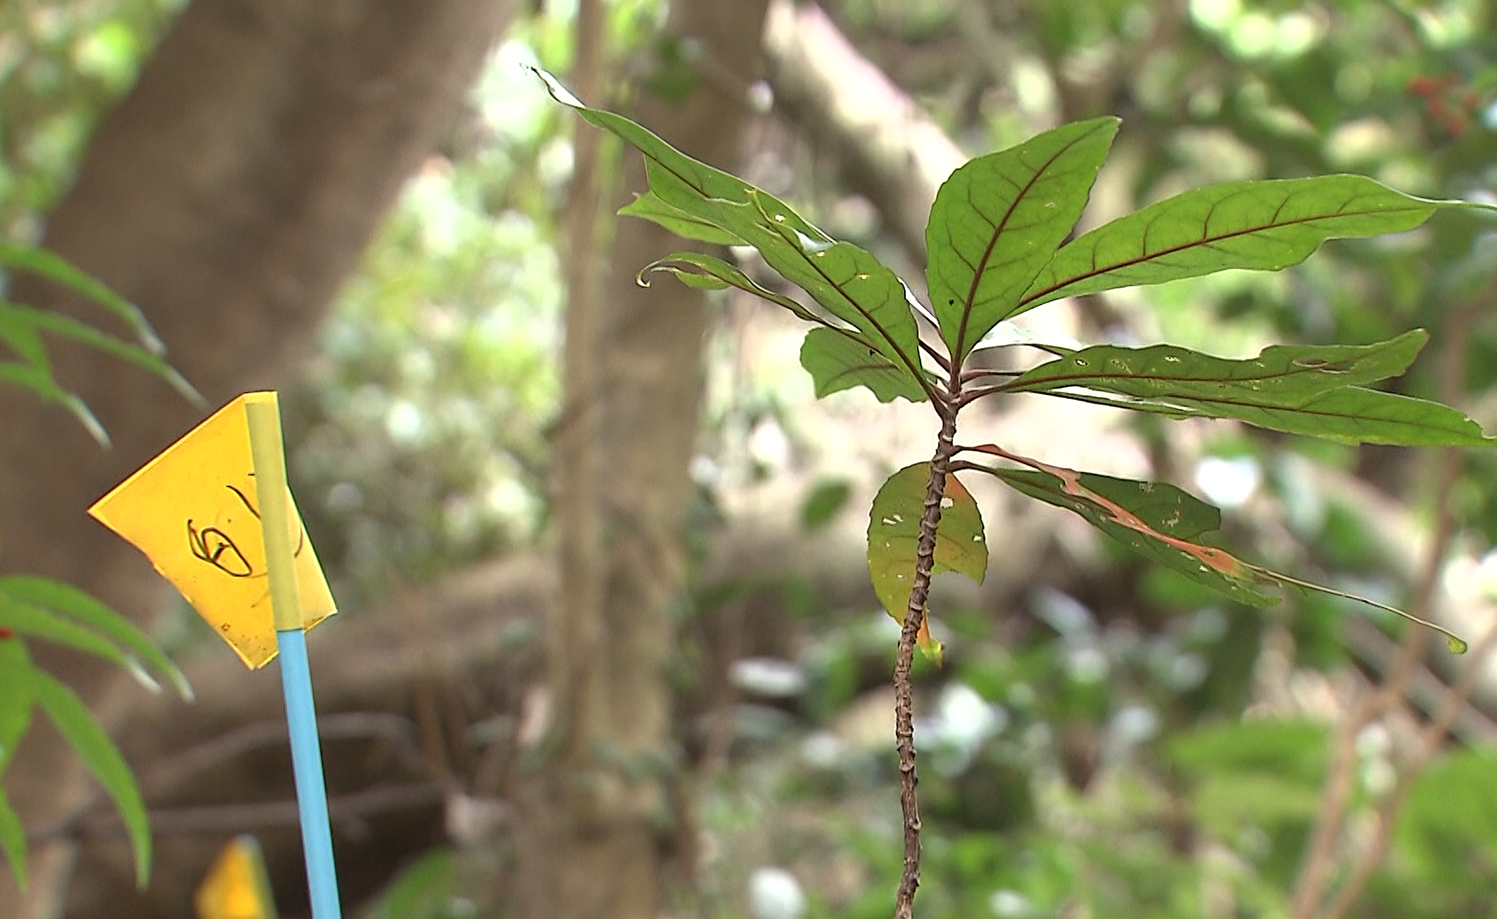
<point x="306" y="762"/>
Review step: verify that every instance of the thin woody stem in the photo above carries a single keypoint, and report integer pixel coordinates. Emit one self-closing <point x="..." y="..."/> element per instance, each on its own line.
<point x="904" y="708"/>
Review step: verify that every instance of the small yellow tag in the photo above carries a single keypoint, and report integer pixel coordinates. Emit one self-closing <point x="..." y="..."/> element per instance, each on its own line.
<point x="236" y="886"/>
<point x="194" y="512"/>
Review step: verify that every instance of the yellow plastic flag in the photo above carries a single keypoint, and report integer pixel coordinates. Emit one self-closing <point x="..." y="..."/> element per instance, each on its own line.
<point x="194" y="512"/>
<point x="236" y="886"/>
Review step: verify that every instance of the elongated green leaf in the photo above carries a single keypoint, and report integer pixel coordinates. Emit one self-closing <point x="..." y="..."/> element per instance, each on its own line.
<point x="1298" y="389"/>
<point x="712" y="273"/>
<point x="15" y="718"/>
<point x="94" y="614"/>
<point x="998" y="220"/>
<point x="70" y="328"/>
<point x="845" y="280"/>
<point x="15" y="697"/>
<point x="13" y="840"/>
<point x="1262" y="225"/>
<point x="26" y="342"/>
<point x="55" y="268"/>
<point x="39" y="381"/>
<point x="35" y="622"/>
<point x="894" y="535"/>
<point x="1167" y="525"/>
<point x="103" y="759"/>
<point x="650" y="206"/>
<point x="839" y="360"/>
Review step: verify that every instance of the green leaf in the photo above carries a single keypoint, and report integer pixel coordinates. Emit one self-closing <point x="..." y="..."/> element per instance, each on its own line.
<point x="39" y="381"/>
<point x="709" y="272"/>
<point x="847" y="281"/>
<point x="1298" y="389"/>
<point x="1167" y="525"/>
<point x="15" y="697"/>
<point x="650" y="206"/>
<point x="1261" y="225"/>
<point x="894" y="536"/>
<point x="13" y="840"/>
<point x="15" y="719"/>
<point x="83" y="333"/>
<point x="997" y="221"/>
<point x="35" y="622"/>
<point x="839" y="360"/>
<point x="55" y="268"/>
<point x="96" y="615"/>
<point x="824" y="502"/>
<point x="102" y="758"/>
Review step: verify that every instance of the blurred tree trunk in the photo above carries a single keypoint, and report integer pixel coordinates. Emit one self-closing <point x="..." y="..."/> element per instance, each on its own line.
<point x="596" y="814"/>
<point x="229" y="194"/>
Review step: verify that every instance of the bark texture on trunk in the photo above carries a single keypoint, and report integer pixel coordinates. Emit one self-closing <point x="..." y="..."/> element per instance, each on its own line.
<point x="229" y="194"/>
<point x="597" y="815"/>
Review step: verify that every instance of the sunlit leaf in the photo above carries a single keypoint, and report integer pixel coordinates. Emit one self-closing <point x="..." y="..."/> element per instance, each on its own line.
<point x="98" y="616"/>
<point x="1262" y="225"/>
<point x="840" y="360"/>
<point x="103" y="759"/>
<point x="998" y="220"/>
<point x="1298" y="389"/>
<point x="650" y="206"/>
<point x="894" y="535"/>
<point x="1167" y="525"/>
<point x="35" y="622"/>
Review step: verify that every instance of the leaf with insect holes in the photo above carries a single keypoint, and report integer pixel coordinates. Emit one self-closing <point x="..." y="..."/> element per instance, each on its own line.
<point x="894" y="535"/>
<point x="1261" y="225"/>
<point x="848" y="282"/>
<point x="1166" y="525"/>
<point x="838" y="360"/>
<point x="1299" y="389"/>
<point x="998" y="220"/>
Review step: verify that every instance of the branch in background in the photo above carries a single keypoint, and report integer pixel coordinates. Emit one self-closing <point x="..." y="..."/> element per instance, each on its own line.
<point x="889" y="149"/>
<point x="1312" y="887"/>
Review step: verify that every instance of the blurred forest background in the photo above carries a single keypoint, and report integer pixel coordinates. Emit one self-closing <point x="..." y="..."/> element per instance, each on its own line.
<point x="375" y="208"/>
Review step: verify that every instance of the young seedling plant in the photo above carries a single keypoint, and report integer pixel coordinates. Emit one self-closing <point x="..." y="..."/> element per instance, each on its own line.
<point x="997" y="248"/>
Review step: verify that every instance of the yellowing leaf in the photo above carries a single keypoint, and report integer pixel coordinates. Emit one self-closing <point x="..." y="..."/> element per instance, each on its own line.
<point x="894" y="535"/>
<point x="194" y="512"/>
<point x="236" y="886"/>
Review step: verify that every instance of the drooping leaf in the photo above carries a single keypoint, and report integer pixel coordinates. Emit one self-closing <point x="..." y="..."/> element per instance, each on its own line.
<point x="1298" y="389"/>
<point x="35" y="622"/>
<point x="55" y="268"/>
<point x="1167" y="525"/>
<point x="1262" y="225"/>
<point x="15" y="697"/>
<point x="894" y="535"/>
<point x="845" y="280"/>
<point x="998" y="220"/>
<point x="103" y="759"/>
<point x="13" y="840"/>
<point x="709" y="272"/>
<point x="840" y="360"/>
<point x="98" y="616"/>
<point x="39" y="381"/>
<point x="15" y="719"/>
<point x="650" y="206"/>
<point x="67" y="327"/>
